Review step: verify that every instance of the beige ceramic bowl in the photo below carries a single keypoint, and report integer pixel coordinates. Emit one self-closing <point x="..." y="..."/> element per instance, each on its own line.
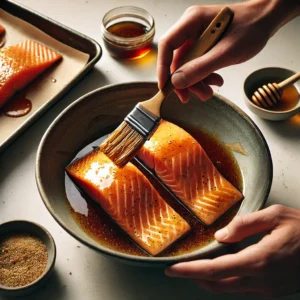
<point x="261" y="77"/>
<point x="96" y="113"/>
<point x="39" y="231"/>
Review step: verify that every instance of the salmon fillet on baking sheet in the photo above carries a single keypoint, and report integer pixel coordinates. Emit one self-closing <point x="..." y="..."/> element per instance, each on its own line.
<point x="2" y="30"/>
<point x="130" y="200"/>
<point x="182" y="164"/>
<point x="22" y="63"/>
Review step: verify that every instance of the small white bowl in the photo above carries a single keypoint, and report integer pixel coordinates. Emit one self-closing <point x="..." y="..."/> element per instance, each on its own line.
<point x="261" y="77"/>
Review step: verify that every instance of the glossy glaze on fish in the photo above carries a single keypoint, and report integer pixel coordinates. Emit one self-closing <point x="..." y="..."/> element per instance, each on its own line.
<point x="130" y="200"/>
<point x="2" y="30"/>
<point x="182" y="164"/>
<point x="22" y="63"/>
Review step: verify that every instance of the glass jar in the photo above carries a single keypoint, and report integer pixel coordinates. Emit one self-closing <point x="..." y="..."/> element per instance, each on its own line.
<point x="128" y="32"/>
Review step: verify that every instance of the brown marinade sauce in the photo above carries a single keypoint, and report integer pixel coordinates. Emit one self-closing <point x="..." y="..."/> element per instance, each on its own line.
<point x="18" y="106"/>
<point x="96" y="223"/>
<point x="128" y="30"/>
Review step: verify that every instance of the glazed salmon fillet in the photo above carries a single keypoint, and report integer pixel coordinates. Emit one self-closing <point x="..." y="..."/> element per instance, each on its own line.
<point x="182" y="164"/>
<point x="22" y="63"/>
<point x="130" y="200"/>
<point x="2" y="30"/>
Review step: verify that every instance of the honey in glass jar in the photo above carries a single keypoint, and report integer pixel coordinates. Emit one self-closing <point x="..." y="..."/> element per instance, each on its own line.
<point x="128" y="32"/>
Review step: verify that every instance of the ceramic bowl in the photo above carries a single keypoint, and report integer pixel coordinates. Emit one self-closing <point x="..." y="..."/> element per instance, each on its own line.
<point x="261" y="77"/>
<point x="94" y="115"/>
<point x="22" y="226"/>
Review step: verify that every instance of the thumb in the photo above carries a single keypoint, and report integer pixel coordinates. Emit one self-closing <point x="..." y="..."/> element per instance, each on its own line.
<point x="243" y="226"/>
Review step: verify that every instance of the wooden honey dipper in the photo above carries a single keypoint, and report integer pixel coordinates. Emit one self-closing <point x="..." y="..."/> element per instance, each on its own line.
<point x="270" y="94"/>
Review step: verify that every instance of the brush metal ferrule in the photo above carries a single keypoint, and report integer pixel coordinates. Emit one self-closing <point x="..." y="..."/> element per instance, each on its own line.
<point x="143" y="121"/>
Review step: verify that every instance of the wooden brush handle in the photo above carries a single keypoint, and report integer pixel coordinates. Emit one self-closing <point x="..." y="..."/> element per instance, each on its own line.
<point x="210" y="36"/>
<point x="289" y="81"/>
<point x="207" y="40"/>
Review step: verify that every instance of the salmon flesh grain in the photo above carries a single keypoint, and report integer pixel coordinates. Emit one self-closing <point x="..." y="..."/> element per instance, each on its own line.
<point x="182" y="164"/>
<point x="22" y="63"/>
<point x="130" y="200"/>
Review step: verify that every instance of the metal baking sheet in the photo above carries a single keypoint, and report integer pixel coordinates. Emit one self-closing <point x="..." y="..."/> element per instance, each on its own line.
<point x="61" y="33"/>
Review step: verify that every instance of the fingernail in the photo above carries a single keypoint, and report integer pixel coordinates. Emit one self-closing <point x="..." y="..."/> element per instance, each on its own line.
<point x="179" y="80"/>
<point x="221" y="234"/>
<point x="184" y="101"/>
<point x="220" y="83"/>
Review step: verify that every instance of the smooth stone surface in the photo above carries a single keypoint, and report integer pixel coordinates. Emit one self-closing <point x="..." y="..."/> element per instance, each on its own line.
<point x="93" y="276"/>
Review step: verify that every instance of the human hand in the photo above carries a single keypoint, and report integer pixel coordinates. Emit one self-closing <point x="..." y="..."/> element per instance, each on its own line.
<point x="269" y="268"/>
<point x="253" y="24"/>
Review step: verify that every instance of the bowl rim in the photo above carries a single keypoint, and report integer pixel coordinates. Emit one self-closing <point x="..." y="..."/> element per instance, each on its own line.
<point x="48" y="269"/>
<point x="271" y="112"/>
<point x="215" y="246"/>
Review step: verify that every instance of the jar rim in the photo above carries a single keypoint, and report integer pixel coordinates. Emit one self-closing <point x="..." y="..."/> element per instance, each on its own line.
<point x="127" y="11"/>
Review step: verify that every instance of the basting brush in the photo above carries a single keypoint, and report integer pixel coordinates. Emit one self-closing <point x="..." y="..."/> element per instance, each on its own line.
<point x="139" y="125"/>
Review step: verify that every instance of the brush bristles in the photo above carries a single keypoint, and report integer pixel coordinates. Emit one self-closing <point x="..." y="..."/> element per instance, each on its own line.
<point x="122" y="145"/>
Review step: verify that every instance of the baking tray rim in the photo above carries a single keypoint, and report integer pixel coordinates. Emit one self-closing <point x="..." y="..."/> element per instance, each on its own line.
<point x="90" y="64"/>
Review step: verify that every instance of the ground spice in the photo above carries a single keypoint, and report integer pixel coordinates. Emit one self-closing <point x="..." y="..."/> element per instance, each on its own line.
<point x="23" y="259"/>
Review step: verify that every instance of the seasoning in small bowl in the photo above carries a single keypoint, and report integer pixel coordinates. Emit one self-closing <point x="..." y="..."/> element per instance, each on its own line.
<point x="27" y="256"/>
<point x="128" y="32"/>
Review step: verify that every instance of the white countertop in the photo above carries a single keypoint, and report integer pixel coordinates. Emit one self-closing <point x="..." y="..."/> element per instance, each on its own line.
<point x="81" y="273"/>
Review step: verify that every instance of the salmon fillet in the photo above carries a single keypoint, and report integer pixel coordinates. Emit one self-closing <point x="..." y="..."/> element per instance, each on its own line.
<point x="22" y="63"/>
<point x="182" y="164"/>
<point x="2" y="30"/>
<point x="130" y="200"/>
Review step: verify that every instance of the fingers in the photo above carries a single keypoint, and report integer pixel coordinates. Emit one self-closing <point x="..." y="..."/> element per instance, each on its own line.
<point x="180" y="53"/>
<point x="244" y="263"/>
<point x="243" y="226"/>
<point x="255" y="269"/>
<point x="189" y="26"/>
<point x="234" y="285"/>
<point x="165" y="53"/>
<point x="214" y="79"/>
<point x="201" y="89"/>
<point x="237" y="285"/>
<point x="199" y="68"/>
<point x="183" y="95"/>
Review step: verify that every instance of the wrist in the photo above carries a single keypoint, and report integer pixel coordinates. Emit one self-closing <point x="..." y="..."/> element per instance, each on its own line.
<point x="276" y="13"/>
